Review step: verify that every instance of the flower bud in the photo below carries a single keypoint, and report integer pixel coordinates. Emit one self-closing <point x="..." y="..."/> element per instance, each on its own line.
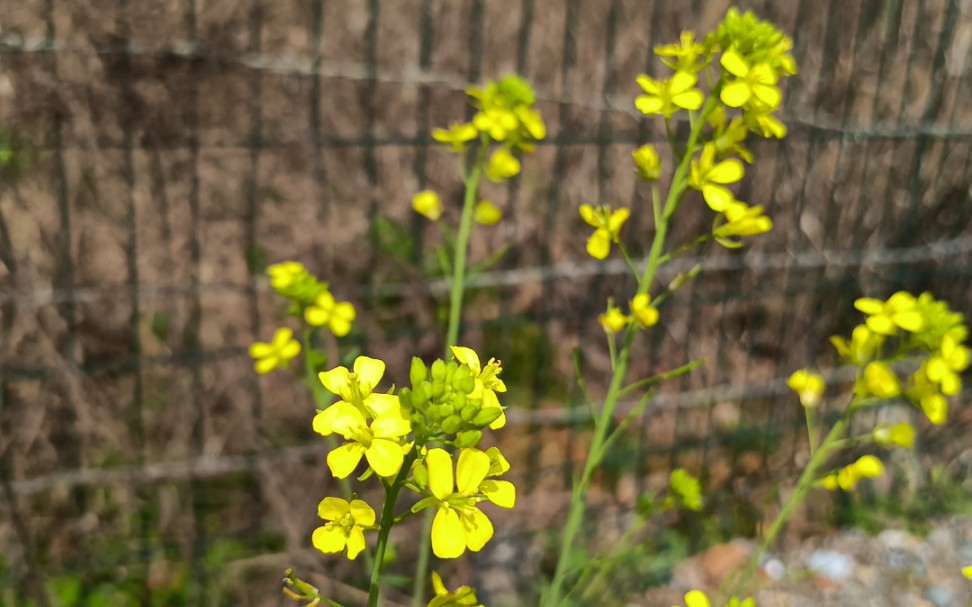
<point x="438" y="389"/>
<point x="418" y="372"/>
<point x="420" y="474"/>
<point x="405" y="398"/>
<point x="468" y="384"/>
<point x="438" y="370"/>
<point x="487" y="416"/>
<point x="469" y="412"/>
<point x="459" y="401"/>
<point x="418" y="421"/>
<point x="468" y="439"/>
<point x="451" y="424"/>
<point x="427" y="204"/>
<point x="421" y="393"/>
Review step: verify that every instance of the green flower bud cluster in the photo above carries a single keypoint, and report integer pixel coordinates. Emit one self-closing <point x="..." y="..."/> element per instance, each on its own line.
<point x="443" y="401"/>
<point x="756" y="40"/>
<point x="292" y="280"/>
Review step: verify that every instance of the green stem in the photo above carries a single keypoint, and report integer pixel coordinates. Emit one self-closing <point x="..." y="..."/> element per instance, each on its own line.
<point x="457" y="290"/>
<point x="387" y="522"/>
<point x="804" y="484"/>
<point x="578" y="506"/>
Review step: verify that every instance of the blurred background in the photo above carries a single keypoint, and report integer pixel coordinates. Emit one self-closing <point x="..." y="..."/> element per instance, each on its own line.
<point x="155" y="157"/>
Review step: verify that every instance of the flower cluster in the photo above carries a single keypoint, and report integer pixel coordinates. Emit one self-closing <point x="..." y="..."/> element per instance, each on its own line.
<point x="697" y="598"/>
<point x="643" y="314"/>
<point x="505" y="122"/>
<point x="310" y="300"/>
<point x="447" y="403"/>
<point x="846" y="479"/>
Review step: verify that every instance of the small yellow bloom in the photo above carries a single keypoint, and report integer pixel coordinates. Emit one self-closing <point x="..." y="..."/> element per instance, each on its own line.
<point x="380" y="443"/>
<point x="846" y="479"/>
<point x="711" y="178"/>
<point x="944" y="366"/>
<point x="487" y="379"/>
<point x="457" y="136"/>
<point x="741" y="220"/>
<point x="696" y="598"/>
<point x="666" y="97"/>
<point x="357" y="389"/>
<point x="613" y="321"/>
<point x="643" y="313"/>
<point x="464" y="596"/>
<point x="758" y="81"/>
<point x="879" y="381"/>
<point x="427" y="204"/>
<point x="762" y="121"/>
<point x="326" y="311"/>
<point x="967" y="572"/>
<point x="861" y="347"/>
<point x="346" y="526"/>
<point x="496" y="122"/>
<point x="532" y="122"/>
<point x="901" y="434"/>
<point x="282" y="274"/>
<point x="608" y="224"/>
<point x="647" y="162"/>
<point x="686" y="53"/>
<point x="276" y="354"/>
<point x="900" y="311"/>
<point x="808" y="386"/>
<point x="728" y="138"/>
<point x="926" y="394"/>
<point x="458" y="523"/>
<point x="502" y="165"/>
<point x="486" y="213"/>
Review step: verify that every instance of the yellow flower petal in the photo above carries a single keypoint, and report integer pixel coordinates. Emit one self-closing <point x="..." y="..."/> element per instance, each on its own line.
<point x="368" y="371"/>
<point x="471" y="470"/>
<point x="486" y="213"/>
<point x="616" y="221"/>
<point x="681" y="82"/>
<point x="337" y="381"/>
<point x="378" y="404"/>
<point x="385" y="457"/>
<point x="390" y="424"/>
<point x="727" y="171"/>
<point x="868" y="466"/>
<point x="501" y="493"/>
<point x="768" y="94"/>
<point x="468" y="357"/>
<point x="689" y="100"/>
<point x="332" y="508"/>
<point x="717" y="197"/>
<point x="290" y="350"/>
<point x="447" y="534"/>
<point x="260" y="350"/>
<point x="356" y="542"/>
<point x="282" y="336"/>
<point x="599" y="244"/>
<point x="343" y="460"/>
<point x="362" y="513"/>
<point x="909" y="320"/>
<point x="735" y="94"/>
<point x="476" y="527"/>
<point x="935" y="408"/>
<point x="329" y="538"/>
<point x="697" y="598"/>
<point x="648" y="105"/>
<point x="588" y="215"/>
<point x="497" y="462"/>
<point x="266" y="365"/>
<point x="439" y="463"/>
<point x="734" y="64"/>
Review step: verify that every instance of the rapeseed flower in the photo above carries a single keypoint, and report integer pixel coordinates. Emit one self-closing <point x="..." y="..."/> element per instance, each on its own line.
<point x="346" y="526"/>
<point x="809" y="387"/>
<point x="728" y="138"/>
<point x="608" y="224"/>
<point x="757" y="81"/>
<point x="642" y="312"/>
<point x="486" y="213"/>
<point x="613" y="320"/>
<point x="464" y="596"/>
<point x="901" y="434"/>
<point x="762" y="121"/>
<point x="496" y="122"/>
<point x="283" y="274"/>
<point x="357" y="389"/>
<point x="502" y="165"/>
<point x="380" y="443"/>
<point x="458" y="523"/>
<point x="741" y="220"/>
<point x="878" y="380"/>
<point x="944" y="366"/>
<point x="456" y="136"/>
<point x="487" y="380"/>
<point x="276" y="354"/>
<point x="862" y="346"/>
<point x="846" y="479"/>
<point x="647" y="162"/>
<point x="326" y="311"/>
<point x="900" y="311"/>
<point x="928" y="397"/>
<point x="427" y="204"/>
<point x="711" y="178"/>
<point x="697" y="598"/>
<point x="685" y="53"/>
<point x="666" y="97"/>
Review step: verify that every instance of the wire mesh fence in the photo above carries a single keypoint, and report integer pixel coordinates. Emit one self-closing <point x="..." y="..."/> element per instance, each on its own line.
<point x="164" y="153"/>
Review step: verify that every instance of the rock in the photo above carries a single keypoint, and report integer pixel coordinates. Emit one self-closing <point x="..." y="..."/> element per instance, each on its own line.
<point x="940" y="596"/>
<point x="833" y="566"/>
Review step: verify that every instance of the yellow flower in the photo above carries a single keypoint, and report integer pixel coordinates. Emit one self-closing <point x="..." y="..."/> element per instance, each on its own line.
<point x="928" y="397"/>
<point x="459" y="524"/>
<point x="608" y="224"/>
<point x="879" y="381"/>
<point x="808" y="386"/>
<point x="380" y="443"/>
<point x="728" y="139"/>
<point x="457" y="136"/>
<point x="613" y="321"/>
<point x="885" y="318"/>
<point x="532" y="122"/>
<point x="487" y="213"/>
<point x="326" y="311"/>
<point x="496" y="122"/>
<point x="357" y="389"/>
<point x="282" y="274"/>
<point x="761" y="120"/>
<point x="686" y="52"/>
<point x="758" y="81"/>
<point x="967" y="572"/>
<point x="487" y="379"/>
<point x="867" y="466"/>
<point x="502" y="165"/>
<point x="348" y="522"/>
<point x="862" y="346"/>
<point x="901" y="434"/>
<point x="666" y="97"/>
<point x="944" y="367"/>
<point x="711" y="178"/>
<point x="277" y="353"/>
<point x="464" y="596"/>
<point x="647" y="162"/>
<point x="427" y="204"/>
<point x="741" y="220"/>
<point x="643" y="312"/>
